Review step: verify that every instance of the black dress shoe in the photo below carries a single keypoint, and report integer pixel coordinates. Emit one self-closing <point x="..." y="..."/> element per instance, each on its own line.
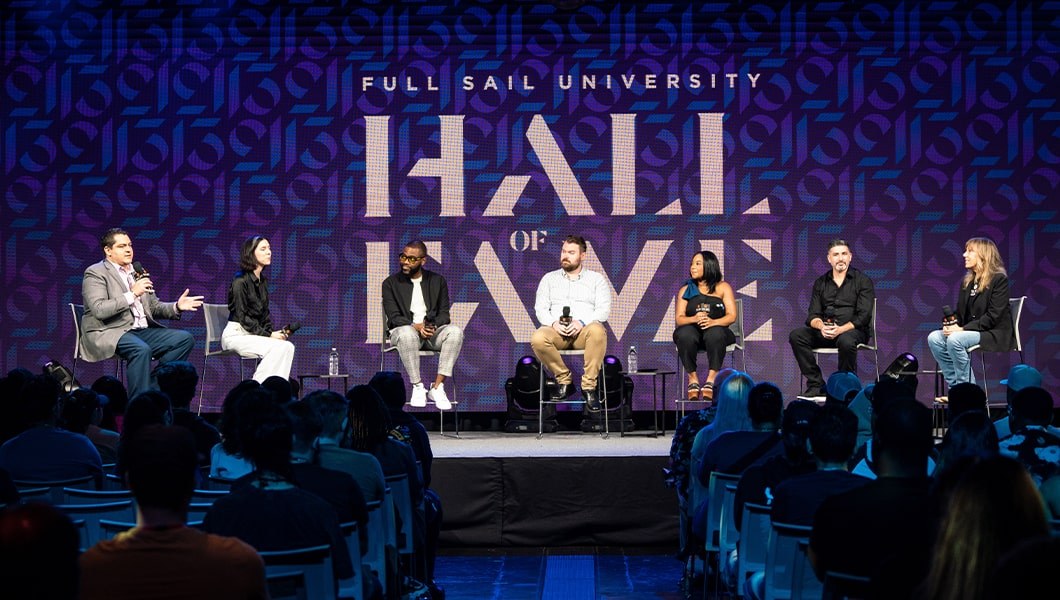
<point x="813" y="392"/>
<point x="563" y="391"/>
<point x="592" y="399"/>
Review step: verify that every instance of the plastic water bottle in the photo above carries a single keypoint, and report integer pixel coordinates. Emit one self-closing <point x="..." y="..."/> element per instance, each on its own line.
<point x="631" y="359"/>
<point x="333" y="362"/>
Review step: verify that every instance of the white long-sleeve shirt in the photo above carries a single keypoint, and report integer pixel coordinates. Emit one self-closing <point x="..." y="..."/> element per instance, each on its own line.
<point x="587" y="294"/>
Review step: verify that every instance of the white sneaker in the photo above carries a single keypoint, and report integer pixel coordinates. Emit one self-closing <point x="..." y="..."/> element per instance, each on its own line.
<point x="437" y="395"/>
<point x="419" y="395"/>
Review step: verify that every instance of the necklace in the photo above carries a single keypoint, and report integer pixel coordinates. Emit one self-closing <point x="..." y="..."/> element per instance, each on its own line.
<point x="975" y="287"/>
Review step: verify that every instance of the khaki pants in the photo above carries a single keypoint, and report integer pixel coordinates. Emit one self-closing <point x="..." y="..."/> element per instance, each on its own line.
<point x="547" y="343"/>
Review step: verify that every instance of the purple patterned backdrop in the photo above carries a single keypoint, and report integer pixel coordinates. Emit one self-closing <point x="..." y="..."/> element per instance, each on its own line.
<point x="341" y="130"/>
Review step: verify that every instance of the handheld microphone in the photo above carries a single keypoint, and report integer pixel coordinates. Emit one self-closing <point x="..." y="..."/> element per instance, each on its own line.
<point x="291" y="328"/>
<point x="565" y="319"/>
<point x="829" y="317"/>
<point x="949" y="318"/>
<point x="138" y="271"/>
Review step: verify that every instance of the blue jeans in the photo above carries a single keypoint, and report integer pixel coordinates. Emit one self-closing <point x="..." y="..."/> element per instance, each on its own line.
<point x="951" y="354"/>
<point x="138" y="346"/>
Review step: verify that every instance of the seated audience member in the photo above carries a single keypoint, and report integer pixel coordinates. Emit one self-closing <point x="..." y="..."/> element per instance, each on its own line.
<point x="148" y="408"/>
<point x="407" y="429"/>
<point x="1026" y="569"/>
<point x="993" y="507"/>
<point x="161" y="557"/>
<point x="842" y="386"/>
<point x="760" y="480"/>
<point x="43" y="452"/>
<point x="1033" y="443"/>
<point x="362" y="466"/>
<point x="733" y="451"/>
<point x="265" y="508"/>
<point x="14" y="419"/>
<point x="367" y="430"/>
<point x="861" y="406"/>
<point x="38" y="553"/>
<point x="226" y="457"/>
<point x="1019" y="377"/>
<point x="832" y="437"/>
<point x="8" y="491"/>
<point x="117" y="400"/>
<point x="82" y="412"/>
<point x="883" y="529"/>
<point x="338" y="488"/>
<point x="970" y="434"/>
<point x="179" y="380"/>
<point x="280" y="387"/>
<point x="883" y="393"/>
<point x="964" y="397"/>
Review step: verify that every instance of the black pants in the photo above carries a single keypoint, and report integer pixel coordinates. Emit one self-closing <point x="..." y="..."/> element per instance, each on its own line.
<point x="690" y="339"/>
<point x="804" y="339"/>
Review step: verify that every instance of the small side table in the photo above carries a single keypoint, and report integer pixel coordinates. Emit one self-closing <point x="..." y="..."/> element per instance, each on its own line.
<point x="660" y="376"/>
<point x="345" y="377"/>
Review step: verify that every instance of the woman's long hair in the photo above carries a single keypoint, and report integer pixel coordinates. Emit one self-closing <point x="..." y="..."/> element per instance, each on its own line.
<point x="994" y="506"/>
<point x="711" y="270"/>
<point x="989" y="266"/>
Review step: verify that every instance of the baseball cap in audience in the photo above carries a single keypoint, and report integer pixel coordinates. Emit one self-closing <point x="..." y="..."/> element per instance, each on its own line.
<point x="842" y="386"/>
<point x="1022" y="376"/>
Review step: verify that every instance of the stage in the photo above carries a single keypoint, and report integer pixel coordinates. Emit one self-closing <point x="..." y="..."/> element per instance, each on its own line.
<point x="566" y="489"/>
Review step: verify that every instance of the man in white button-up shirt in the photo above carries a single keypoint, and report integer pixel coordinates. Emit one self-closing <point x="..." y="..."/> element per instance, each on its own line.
<point x="572" y="304"/>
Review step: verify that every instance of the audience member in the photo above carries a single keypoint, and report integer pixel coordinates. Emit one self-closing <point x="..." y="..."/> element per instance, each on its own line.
<point x="832" y="437"/>
<point x="117" y="401"/>
<point x="338" y="488"/>
<point x="407" y="429"/>
<point x="38" y="553"/>
<point x="970" y="434"/>
<point x="148" y="408"/>
<point x="1019" y="377"/>
<point x="8" y="491"/>
<point x="280" y="388"/>
<point x="265" y="508"/>
<point x="82" y="412"/>
<point x="730" y="397"/>
<point x="732" y="452"/>
<point x="994" y="506"/>
<point x="885" y="528"/>
<point x="759" y="482"/>
<point x="367" y="430"/>
<point x="161" y="557"/>
<point x="885" y="391"/>
<point x="842" y="386"/>
<point x="179" y="380"/>
<point x="964" y="397"/>
<point x="861" y="406"/>
<point x="14" y="418"/>
<point x="678" y="475"/>
<point x="1032" y="442"/>
<point x="43" y="452"/>
<point x="226" y="457"/>
<point x="362" y="466"/>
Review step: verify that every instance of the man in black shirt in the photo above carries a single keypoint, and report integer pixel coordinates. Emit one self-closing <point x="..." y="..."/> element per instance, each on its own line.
<point x="840" y="316"/>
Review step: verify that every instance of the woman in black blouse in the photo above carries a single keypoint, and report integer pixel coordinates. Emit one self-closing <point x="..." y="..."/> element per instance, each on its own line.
<point x="250" y="331"/>
<point x="983" y="315"/>
<point x="706" y="306"/>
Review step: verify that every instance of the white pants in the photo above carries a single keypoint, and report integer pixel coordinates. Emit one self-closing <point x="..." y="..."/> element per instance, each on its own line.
<point x="276" y="355"/>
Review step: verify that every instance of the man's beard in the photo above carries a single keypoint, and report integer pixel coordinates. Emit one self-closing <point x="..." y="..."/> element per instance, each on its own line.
<point x="412" y="271"/>
<point x="568" y="266"/>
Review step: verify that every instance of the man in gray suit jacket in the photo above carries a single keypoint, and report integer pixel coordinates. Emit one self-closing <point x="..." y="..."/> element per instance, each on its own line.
<point x="121" y="311"/>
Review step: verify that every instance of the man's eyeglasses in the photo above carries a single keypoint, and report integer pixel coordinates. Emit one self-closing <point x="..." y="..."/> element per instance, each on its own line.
<point x="405" y="258"/>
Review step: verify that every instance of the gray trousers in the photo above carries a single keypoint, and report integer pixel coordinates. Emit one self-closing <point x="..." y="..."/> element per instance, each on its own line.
<point x="447" y="339"/>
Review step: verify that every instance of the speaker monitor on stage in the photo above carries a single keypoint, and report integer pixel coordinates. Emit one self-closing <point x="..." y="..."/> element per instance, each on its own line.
<point x="523" y="396"/>
<point x="903" y="370"/>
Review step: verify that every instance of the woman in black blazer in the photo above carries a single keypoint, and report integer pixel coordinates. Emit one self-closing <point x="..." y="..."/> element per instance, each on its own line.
<point x="983" y="315"/>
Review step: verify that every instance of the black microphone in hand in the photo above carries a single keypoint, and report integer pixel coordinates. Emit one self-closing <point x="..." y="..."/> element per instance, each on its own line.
<point x="949" y="317"/>
<point x="565" y="319"/>
<point x="291" y="328"/>
<point x="829" y="317"/>
<point x="140" y="273"/>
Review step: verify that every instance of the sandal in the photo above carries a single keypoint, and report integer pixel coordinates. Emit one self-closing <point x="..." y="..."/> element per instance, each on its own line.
<point x="706" y="391"/>
<point x="693" y="392"/>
